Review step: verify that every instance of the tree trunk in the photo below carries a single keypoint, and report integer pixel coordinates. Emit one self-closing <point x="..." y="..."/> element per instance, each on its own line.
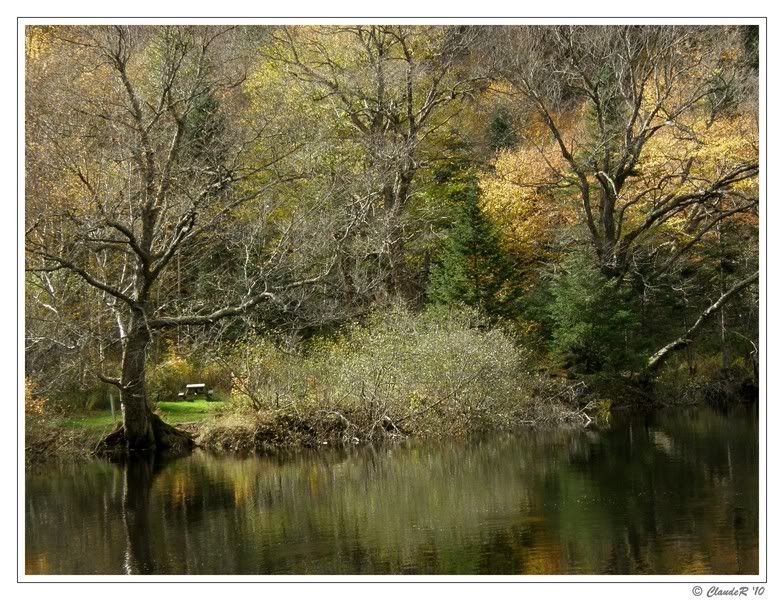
<point x="396" y="281"/>
<point x="137" y="416"/>
<point x="395" y="198"/>
<point x="725" y="355"/>
<point x="141" y="430"/>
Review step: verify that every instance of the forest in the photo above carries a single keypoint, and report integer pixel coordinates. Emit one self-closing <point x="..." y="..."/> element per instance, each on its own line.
<point x="357" y="233"/>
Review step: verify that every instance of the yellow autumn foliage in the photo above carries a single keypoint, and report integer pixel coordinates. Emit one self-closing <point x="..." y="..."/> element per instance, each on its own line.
<point x="530" y="193"/>
<point x="532" y="188"/>
<point x="35" y="404"/>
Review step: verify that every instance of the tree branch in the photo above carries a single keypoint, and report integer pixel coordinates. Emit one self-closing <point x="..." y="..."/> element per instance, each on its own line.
<point x="656" y="360"/>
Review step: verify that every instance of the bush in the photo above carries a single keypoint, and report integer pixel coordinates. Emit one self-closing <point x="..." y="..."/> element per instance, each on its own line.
<point x="35" y="404"/>
<point x="707" y="381"/>
<point x="441" y="372"/>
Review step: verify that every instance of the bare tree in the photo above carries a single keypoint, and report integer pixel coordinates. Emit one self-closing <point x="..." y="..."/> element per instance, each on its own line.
<point x="394" y="87"/>
<point x="628" y="87"/>
<point x="140" y="168"/>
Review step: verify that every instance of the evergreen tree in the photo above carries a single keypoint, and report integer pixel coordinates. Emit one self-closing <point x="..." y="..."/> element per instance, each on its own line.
<point x="501" y="131"/>
<point x="594" y="324"/>
<point x="472" y="268"/>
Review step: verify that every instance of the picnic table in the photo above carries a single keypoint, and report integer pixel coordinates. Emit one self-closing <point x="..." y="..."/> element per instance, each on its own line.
<point x="193" y="390"/>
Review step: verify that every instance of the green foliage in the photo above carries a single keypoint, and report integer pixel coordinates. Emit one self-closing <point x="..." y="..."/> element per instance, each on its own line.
<point x="593" y="321"/>
<point x="501" y="132"/>
<point x="472" y="268"/>
<point x="204" y="128"/>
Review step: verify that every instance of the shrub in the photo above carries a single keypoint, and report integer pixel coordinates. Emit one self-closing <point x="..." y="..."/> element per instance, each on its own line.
<point x="441" y="372"/>
<point x="706" y="381"/>
<point x="35" y="404"/>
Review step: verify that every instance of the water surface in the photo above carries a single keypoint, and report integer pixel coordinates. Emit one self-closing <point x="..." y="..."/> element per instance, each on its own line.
<point x="670" y="492"/>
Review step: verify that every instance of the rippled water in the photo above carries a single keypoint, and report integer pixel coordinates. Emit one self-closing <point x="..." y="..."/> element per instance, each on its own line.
<point x="668" y="492"/>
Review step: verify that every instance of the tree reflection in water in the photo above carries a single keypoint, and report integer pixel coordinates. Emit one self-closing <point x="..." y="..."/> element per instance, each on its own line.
<point x="667" y="492"/>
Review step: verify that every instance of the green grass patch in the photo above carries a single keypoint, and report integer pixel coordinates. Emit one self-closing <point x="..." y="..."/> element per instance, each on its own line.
<point x="92" y="420"/>
<point x="183" y="412"/>
<point x="171" y="412"/>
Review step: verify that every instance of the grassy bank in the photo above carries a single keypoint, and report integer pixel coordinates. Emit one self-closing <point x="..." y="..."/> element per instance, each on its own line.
<point x="172" y="412"/>
<point x="77" y="435"/>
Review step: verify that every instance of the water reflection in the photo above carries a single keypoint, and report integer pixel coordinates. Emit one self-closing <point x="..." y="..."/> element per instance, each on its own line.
<point x="136" y="511"/>
<point x="672" y="492"/>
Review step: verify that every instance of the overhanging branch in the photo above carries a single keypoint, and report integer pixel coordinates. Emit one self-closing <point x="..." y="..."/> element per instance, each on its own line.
<point x="656" y="360"/>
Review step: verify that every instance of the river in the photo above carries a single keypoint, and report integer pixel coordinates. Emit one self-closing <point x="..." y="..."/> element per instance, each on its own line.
<point x="668" y="492"/>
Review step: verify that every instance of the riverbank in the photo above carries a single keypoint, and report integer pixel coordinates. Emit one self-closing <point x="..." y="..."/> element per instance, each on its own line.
<point x="75" y="437"/>
<point x="232" y="427"/>
<point x="225" y="428"/>
<point x="271" y="431"/>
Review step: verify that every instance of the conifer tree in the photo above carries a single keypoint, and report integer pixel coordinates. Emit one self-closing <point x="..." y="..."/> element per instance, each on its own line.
<point x="472" y="268"/>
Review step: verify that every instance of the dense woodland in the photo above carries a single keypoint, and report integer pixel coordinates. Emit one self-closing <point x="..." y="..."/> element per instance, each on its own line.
<point x="373" y="231"/>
